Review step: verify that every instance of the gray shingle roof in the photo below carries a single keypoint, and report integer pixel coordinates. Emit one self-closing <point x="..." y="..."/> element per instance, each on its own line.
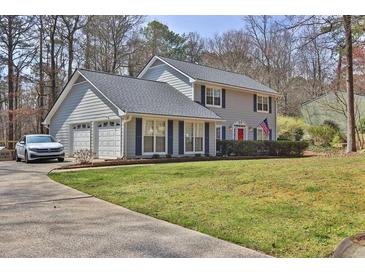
<point x="200" y="72"/>
<point x="135" y="95"/>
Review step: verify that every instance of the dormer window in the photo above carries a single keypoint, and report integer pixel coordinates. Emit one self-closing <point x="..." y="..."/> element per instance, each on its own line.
<point x="262" y="103"/>
<point x="213" y="97"/>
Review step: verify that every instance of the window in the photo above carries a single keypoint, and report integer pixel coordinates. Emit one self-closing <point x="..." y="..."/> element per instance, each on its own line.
<point x="40" y="139"/>
<point x="154" y="136"/>
<point x="260" y="134"/>
<point x="218" y="132"/>
<point x="213" y="97"/>
<point x="194" y="133"/>
<point x="262" y="103"/>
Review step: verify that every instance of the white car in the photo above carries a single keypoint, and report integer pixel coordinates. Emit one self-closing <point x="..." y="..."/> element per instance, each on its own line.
<point x="38" y="146"/>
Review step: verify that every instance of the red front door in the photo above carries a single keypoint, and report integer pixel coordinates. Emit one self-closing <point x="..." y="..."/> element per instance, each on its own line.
<point x="240" y="134"/>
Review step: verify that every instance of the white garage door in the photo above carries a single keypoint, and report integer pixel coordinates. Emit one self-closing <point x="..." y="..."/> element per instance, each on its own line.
<point x="81" y="137"/>
<point x="108" y="139"/>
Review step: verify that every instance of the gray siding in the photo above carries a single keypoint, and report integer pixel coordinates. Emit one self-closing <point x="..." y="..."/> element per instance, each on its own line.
<point x="82" y="104"/>
<point x="239" y="106"/>
<point x="131" y="138"/>
<point x="164" y="73"/>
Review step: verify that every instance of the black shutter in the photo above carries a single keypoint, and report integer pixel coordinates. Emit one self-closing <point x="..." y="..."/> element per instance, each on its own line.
<point x="181" y="137"/>
<point x="223" y="132"/>
<point x="206" y="138"/>
<point x="255" y="134"/>
<point x="202" y="94"/>
<point x="270" y="135"/>
<point x="223" y="98"/>
<point x="255" y="103"/>
<point x="170" y="138"/>
<point x="138" y="136"/>
<point x="270" y="109"/>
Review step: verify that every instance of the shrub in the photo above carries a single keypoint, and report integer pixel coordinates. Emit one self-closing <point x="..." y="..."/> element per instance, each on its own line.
<point x="83" y="156"/>
<point x="262" y="148"/>
<point x="337" y="141"/>
<point x="290" y="128"/>
<point x="332" y="124"/>
<point x="322" y="135"/>
<point x="155" y="156"/>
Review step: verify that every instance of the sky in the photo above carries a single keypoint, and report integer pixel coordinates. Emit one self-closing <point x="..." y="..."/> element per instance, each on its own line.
<point x="206" y="25"/>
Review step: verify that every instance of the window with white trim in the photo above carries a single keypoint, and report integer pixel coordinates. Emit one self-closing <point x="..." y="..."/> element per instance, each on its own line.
<point x="218" y="132"/>
<point x="213" y="97"/>
<point x="154" y="136"/>
<point x="194" y="133"/>
<point x="262" y="103"/>
<point x="260" y="134"/>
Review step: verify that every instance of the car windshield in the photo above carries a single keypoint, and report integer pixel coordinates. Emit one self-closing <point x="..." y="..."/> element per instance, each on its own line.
<point x="40" y="139"/>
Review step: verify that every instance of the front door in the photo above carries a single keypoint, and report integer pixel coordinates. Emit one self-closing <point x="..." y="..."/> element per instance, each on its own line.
<point x="240" y="134"/>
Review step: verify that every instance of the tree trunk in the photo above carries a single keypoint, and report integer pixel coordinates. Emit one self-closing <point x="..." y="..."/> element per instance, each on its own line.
<point x="339" y="71"/>
<point x="10" y="85"/>
<point x="41" y="79"/>
<point x="351" y="137"/>
<point x="53" y="65"/>
<point x="70" y="55"/>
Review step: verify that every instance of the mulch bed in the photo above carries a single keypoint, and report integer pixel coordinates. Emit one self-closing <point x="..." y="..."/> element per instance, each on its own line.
<point x="120" y="162"/>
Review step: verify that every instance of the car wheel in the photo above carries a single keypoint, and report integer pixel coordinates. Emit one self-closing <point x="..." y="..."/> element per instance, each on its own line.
<point x="61" y="159"/>
<point x="17" y="157"/>
<point x="26" y="157"/>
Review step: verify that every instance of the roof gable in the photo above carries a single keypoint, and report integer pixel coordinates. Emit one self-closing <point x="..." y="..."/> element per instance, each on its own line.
<point x="141" y="96"/>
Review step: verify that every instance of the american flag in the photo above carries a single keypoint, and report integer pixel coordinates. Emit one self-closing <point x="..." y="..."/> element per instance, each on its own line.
<point x="265" y="126"/>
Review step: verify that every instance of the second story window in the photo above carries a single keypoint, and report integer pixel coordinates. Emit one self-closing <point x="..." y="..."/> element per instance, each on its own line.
<point x="262" y="103"/>
<point x="214" y="97"/>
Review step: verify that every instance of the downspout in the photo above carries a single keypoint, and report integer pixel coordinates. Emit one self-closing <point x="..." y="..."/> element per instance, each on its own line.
<point x="125" y="118"/>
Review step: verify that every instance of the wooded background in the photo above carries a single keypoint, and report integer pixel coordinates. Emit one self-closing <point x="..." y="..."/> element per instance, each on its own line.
<point x="301" y="57"/>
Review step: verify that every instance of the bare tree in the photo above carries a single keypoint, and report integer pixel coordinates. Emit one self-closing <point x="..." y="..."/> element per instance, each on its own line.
<point x="51" y="29"/>
<point x="194" y="47"/>
<point x="108" y="42"/>
<point x="14" y="45"/>
<point x="72" y="24"/>
<point x="231" y="51"/>
<point x="351" y="137"/>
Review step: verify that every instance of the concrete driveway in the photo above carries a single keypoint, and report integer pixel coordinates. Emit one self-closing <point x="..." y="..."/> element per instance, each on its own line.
<point x="42" y="218"/>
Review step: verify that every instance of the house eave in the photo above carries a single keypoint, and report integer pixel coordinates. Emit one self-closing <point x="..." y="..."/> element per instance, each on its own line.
<point x="248" y="90"/>
<point x="137" y="114"/>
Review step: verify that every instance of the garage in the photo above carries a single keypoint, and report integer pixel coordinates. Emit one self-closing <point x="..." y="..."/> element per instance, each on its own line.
<point x="81" y="136"/>
<point x="108" y="135"/>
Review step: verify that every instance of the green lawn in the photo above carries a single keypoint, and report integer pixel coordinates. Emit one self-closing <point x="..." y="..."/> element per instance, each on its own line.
<point x="298" y="207"/>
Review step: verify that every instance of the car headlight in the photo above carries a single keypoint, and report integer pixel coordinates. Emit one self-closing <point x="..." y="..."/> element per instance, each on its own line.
<point x="32" y="149"/>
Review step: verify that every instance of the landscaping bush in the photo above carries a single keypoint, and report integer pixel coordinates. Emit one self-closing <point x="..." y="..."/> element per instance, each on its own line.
<point x="83" y="156"/>
<point x="332" y="124"/>
<point x="262" y="148"/>
<point x="337" y="141"/>
<point x="322" y="135"/>
<point x="290" y="128"/>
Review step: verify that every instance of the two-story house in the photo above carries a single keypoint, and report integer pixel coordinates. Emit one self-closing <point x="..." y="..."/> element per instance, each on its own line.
<point x="240" y="101"/>
<point x="173" y="108"/>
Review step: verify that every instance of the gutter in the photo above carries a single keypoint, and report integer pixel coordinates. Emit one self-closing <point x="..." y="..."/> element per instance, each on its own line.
<point x="253" y="91"/>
